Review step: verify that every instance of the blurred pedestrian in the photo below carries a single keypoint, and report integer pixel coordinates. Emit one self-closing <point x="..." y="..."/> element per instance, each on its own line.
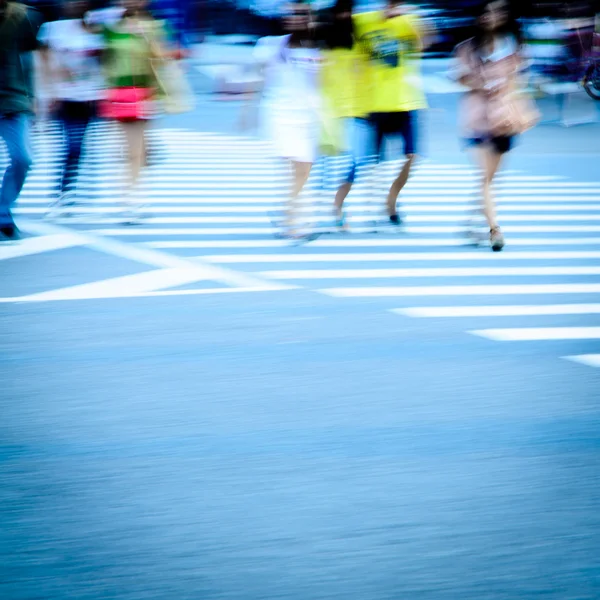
<point x="493" y="111"/>
<point x="393" y="40"/>
<point x="71" y="55"/>
<point x="290" y="101"/>
<point x="135" y="52"/>
<point x="344" y="94"/>
<point x="19" y="27"/>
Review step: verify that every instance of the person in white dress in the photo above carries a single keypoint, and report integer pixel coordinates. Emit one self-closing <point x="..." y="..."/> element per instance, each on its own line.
<point x="290" y="100"/>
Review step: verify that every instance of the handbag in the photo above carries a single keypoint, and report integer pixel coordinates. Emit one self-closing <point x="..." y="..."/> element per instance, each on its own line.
<point x="510" y="114"/>
<point x="127" y="103"/>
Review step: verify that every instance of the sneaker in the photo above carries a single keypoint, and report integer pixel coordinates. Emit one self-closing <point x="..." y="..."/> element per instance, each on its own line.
<point x="10" y="231"/>
<point x="396" y="219"/>
<point x="496" y="239"/>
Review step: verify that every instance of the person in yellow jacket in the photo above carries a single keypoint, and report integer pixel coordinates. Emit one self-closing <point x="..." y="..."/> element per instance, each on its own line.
<point x="391" y="42"/>
<point x="344" y="88"/>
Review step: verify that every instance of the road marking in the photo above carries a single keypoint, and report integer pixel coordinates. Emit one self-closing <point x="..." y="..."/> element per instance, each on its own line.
<point x="536" y="334"/>
<point x="499" y="311"/>
<point x="121" y="287"/>
<point x="422" y="203"/>
<point x="411" y="230"/>
<point x="154" y="258"/>
<point x="463" y="290"/>
<point x="37" y="245"/>
<point x="430" y="272"/>
<point x="310" y="218"/>
<point x="397" y="257"/>
<point x="590" y="360"/>
<point x="189" y="205"/>
<point x="339" y="243"/>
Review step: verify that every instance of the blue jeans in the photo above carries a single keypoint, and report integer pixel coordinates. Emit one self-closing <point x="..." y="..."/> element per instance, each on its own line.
<point x="15" y="131"/>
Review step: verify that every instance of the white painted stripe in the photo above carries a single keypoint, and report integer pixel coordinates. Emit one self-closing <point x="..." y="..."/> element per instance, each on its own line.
<point x="121" y="287"/>
<point x="153" y="257"/>
<point x="590" y="360"/>
<point x="430" y="272"/>
<point x="398" y="257"/>
<point x="36" y="245"/>
<point x="346" y="242"/>
<point x="189" y="205"/>
<point x="534" y="334"/>
<point x="256" y="178"/>
<point x="463" y="290"/>
<point x="415" y="230"/>
<point x="241" y="219"/>
<point x="413" y="202"/>
<point x="499" y="311"/>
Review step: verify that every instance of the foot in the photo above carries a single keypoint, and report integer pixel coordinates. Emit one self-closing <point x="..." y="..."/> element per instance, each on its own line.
<point x="340" y="220"/>
<point x="10" y="231"/>
<point x="396" y="219"/>
<point x="496" y="239"/>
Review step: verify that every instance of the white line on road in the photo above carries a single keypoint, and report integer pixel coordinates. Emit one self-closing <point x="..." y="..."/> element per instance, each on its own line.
<point x="535" y="334"/>
<point x="430" y="272"/>
<point x="590" y="360"/>
<point x="536" y="310"/>
<point x="343" y="243"/>
<point x="153" y="257"/>
<point x="414" y="230"/>
<point x="463" y="290"/>
<point x="36" y="245"/>
<point x="398" y="256"/>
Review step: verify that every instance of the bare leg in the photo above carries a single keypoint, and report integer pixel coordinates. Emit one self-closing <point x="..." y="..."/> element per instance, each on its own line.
<point x="489" y="162"/>
<point x="136" y="150"/>
<point x="399" y="184"/>
<point x="301" y="172"/>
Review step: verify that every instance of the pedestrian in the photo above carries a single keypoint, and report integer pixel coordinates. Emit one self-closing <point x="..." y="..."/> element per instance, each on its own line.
<point x="494" y="110"/>
<point x="135" y="47"/>
<point x="392" y="40"/>
<point x="19" y="27"/>
<point x="344" y="93"/>
<point x="71" y="55"/>
<point x="290" y="102"/>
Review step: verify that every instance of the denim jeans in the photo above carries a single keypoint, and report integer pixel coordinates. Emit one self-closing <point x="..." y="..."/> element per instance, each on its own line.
<point x="75" y="118"/>
<point x="15" y="131"/>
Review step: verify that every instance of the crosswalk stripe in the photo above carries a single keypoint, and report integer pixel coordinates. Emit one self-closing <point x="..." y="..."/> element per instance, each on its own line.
<point x="334" y="243"/>
<point x="239" y="219"/>
<point x="534" y="334"/>
<point x="399" y="257"/>
<point x="590" y="360"/>
<point x="463" y="290"/>
<point x="431" y="272"/>
<point x="37" y="245"/>
<point x="498" y="311"/>
<point x="179" y="206"/>
<point x="411" y="230"/>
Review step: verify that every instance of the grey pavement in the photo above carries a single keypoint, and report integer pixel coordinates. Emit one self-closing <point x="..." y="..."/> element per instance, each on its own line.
<point x="173" y="427"/>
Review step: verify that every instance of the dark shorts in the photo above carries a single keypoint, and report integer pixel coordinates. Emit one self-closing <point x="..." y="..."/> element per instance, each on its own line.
<point x="395" y="124"/>
<point x="500" y="144"/>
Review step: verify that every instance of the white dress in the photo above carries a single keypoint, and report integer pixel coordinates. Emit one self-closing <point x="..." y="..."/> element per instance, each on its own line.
<point x="291" y="105"/>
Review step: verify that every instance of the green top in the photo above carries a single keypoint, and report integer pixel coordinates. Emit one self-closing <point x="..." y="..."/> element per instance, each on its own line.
<point x="18" y="37"/>
<point x="130" y="56"/>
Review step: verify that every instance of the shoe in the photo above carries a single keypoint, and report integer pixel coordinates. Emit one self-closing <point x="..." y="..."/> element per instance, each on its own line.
<point x="10" y="231"/>
<point x="396" y="219"/>
<point x="496" y="239"/>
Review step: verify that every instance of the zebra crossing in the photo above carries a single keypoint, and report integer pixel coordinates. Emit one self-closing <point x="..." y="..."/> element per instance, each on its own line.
<point x="210" y="200"/>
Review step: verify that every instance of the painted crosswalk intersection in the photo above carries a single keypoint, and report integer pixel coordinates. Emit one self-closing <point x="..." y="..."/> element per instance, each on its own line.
<point x="210" y="199"/>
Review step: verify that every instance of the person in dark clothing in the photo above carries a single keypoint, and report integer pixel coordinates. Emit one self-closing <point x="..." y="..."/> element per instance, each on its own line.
<point x="19" y="27"/>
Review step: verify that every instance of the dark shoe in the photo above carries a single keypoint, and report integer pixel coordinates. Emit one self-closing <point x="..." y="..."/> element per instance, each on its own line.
<point x="395" y="219"/>
<point x="10" y="231"/>
<point x="496" y="239"/>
